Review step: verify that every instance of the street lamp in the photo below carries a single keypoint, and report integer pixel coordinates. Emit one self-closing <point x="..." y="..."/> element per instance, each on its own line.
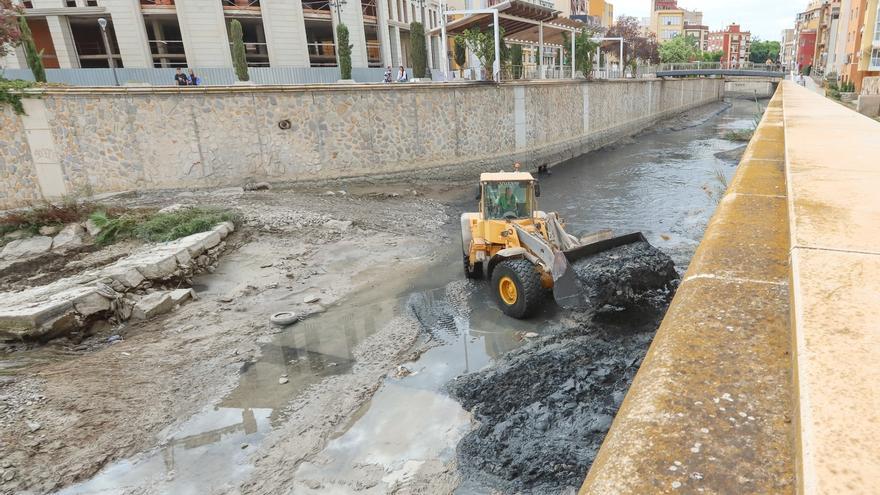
<point x="103" y="24"/>
<point x="337" y="4"/>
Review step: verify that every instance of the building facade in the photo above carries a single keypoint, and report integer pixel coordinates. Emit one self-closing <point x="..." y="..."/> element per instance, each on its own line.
<point x="603" y="10"/>
<point x="787" y="50"/>
<point x="194" y="33"/>
<point x="735" y="44"/>
<point x="668" y="20"/>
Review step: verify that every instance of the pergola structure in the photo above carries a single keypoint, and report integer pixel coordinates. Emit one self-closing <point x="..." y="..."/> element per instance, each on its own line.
<point x="523" y="21"/>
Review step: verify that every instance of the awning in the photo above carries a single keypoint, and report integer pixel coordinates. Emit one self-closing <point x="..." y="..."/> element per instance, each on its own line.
<point x="520" y="20"/>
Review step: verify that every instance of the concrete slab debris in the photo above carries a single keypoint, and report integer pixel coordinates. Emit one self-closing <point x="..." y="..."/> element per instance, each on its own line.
<point x="66" y="304"/>
<point x="27" y="247"/>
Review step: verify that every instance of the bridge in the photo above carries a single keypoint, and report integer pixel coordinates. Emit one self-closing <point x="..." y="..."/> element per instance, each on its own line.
<point x="763" y="376"/>
<point x="724" y="69"/>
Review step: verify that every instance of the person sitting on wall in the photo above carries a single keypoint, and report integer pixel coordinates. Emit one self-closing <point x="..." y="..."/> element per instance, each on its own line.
<point x="401" y="75"/>
<point x="387" y="77"/>
<point x="180" y="78"/>
<point x="194" y="80"/>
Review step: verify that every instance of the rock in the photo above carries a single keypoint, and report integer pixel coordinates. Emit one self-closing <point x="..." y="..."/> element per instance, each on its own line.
<point x="48" y="230"/>
<point x="311" y="299"/>
<point x="26" y="248"/>
<point x="33" y="426"/>
<point x="530" y="335"/>
<point x="282" y="380"/>
<point x="181" y="295"/>
<point x="91" y="304"/>
<point x="173" y="208"/>
<point x="114" y="338"/>
<point x="244" y="446"/>
<point x="257" y="186"/>
<point x="338" y="225"/>
<point x="313" y="484"/>
<point x="16" y="234"/>
<point x="70" y="237"/>
<point x="151" y="305"/>
<point x="228" y="191"/>
<point x="9" y="475"/>
<point x="91" y="228"/>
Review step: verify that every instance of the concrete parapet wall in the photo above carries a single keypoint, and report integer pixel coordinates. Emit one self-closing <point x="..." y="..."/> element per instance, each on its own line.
<point x="710" y="409"/>
<point x="107" y="140"/>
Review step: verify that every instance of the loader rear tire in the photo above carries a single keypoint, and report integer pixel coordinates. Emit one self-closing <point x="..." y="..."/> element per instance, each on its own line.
<point x="517" y="287"/>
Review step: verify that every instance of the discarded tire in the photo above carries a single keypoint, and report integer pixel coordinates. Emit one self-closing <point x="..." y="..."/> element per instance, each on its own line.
<point x="284" y="318"/>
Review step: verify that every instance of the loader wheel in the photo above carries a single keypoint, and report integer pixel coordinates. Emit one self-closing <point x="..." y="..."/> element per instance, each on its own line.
<point x="517" y="287"/>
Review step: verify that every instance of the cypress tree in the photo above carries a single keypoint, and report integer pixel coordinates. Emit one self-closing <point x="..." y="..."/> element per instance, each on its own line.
<point x="344" y="51"/>
<point x="418" y="50"/>
<point x="239" y="59"/>
<point x="34" y="58"/>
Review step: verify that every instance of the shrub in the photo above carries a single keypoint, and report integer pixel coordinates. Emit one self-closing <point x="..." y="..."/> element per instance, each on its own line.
<point x="459" y="54"/>
<point x="239" y="58"/>
<point x="158" y="227"/>
<point x="344" y="51"/>
<point x="516" y="60"/>
<point x="418" y="50"/>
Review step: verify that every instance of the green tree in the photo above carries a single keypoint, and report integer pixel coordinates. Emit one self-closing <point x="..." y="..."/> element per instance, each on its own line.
<point x="344" y="51"/>
<point x="34" y="58"/>
<point x="516" y="60"/>
<point x="482" y="44"/>
<point x="584" y="48"/>
<point x="459" y="54"/>
<point x="239" y="59"/>
<point x="418" y="50"/>
<point x="762" y="51"/>
<point x="678" y="50"/>
<point x="713" y="56"/>
<point x="636" y="47"/>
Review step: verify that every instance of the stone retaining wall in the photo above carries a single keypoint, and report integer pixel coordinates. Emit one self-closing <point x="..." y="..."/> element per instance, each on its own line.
<point x="108" y="140"/>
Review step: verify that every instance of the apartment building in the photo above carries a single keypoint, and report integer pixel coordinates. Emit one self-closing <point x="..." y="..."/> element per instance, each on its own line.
<point x="734" y="42"/>
<point x="194" y="33"/>
<point x="668" y="20"/>
<point x="787" y="50"/>
<point x="863" y="54"/>
<point x="603" y="10"/>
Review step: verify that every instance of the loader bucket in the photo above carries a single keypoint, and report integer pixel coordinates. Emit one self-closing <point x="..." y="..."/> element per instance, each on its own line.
<point x="567" y="288"/>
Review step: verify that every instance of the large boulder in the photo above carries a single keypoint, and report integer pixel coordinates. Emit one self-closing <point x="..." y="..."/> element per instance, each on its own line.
<point x="151" y="305"/>
<point x="26" y="248"/>
<point x="70" y="237"/>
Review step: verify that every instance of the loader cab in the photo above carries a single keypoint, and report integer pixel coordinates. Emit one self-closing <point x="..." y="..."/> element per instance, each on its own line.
<point x="508" y="196"/>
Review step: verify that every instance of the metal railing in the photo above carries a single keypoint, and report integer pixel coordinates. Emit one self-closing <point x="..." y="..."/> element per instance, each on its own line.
<point x="209" y="76"/>
<point x="720" y="66"/>
<point x="240" y="3"/>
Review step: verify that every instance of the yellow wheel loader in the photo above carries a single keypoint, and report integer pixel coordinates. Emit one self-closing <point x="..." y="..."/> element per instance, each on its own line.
<point x="524" y="251"/>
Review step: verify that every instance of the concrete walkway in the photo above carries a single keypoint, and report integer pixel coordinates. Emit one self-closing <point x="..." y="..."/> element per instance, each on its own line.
<point x="833" y="172"/>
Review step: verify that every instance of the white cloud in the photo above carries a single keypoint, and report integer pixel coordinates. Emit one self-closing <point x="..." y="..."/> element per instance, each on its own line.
<point x="764" y="18"/>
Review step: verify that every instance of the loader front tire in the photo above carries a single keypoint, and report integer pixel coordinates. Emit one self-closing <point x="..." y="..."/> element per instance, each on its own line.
<point x="517" y="287"/>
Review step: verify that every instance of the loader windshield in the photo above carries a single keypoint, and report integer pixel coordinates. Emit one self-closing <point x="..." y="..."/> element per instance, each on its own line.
<point x="508" y="199"/>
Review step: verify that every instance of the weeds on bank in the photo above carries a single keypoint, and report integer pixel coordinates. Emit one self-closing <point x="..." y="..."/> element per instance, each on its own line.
<point x="70" y="210"/>
<point x="744" y="135"/>
<point x="717" y="192"/>
<point x="158" y="227"/>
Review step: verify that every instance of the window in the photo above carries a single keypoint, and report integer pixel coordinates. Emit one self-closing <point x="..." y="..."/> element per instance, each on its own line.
<point x="875" y="59"/>
<point x="670" y="20"/>
<point x="507" y="199"/>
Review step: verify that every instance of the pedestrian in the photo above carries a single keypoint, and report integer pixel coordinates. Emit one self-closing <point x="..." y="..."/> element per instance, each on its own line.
<point x="387" y="77"/>
<point x="194" y="80"/>
<point x="401" y="75"/>
<point x="180" y="78"/>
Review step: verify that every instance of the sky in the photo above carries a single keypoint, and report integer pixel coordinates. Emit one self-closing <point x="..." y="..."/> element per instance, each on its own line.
<point x="764" y="18"/>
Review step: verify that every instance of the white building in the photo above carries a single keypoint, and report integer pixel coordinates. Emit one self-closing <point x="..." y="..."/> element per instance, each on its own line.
<point x="194" y="33"/>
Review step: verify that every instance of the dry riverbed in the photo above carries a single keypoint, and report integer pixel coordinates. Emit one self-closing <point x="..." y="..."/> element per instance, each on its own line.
<point x="70" y="408"/>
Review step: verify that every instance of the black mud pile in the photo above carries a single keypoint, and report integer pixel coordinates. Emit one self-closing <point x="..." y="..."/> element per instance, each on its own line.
<point x="544" y="409"/>
<point x="636" y="275"/>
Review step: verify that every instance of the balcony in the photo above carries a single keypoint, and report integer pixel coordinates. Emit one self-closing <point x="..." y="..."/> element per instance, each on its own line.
<point x="157" y="3"/>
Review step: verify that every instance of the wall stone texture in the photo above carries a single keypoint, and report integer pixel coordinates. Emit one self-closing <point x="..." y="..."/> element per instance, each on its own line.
<point x="116" y="139"/>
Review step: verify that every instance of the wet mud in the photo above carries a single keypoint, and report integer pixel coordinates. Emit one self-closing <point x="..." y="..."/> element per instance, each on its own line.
<point x="636" y="275"/>
<point x="545" y="408"/>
